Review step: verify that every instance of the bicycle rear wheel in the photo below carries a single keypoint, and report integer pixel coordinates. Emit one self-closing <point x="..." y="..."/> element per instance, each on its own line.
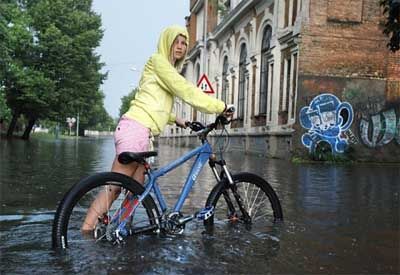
<point x="250" y="202"/>
<point x="72" y="210"/>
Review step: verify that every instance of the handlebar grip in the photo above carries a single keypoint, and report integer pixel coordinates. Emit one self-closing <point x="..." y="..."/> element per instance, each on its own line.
<point x="195" y="126"/>
<point x="230" y="109"/>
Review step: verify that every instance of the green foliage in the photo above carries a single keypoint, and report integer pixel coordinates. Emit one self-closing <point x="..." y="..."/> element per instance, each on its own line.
<point x="48" y="66"/>
<point x="126" y="102"/>
<point x="392" y="26"/>
<point x="69" y="31"/>
<point x="323" y="153"/>
<point x="222" y="7"/>
<point x="97" y="117"/>
<point x="5" y="112"/>
<point x="43" y="136"/>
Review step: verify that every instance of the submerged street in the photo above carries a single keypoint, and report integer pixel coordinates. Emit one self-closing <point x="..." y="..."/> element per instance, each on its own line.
<point x="337" y="218"/>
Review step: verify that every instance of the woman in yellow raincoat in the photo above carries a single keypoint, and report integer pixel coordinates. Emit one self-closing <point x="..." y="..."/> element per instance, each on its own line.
<point x="151" y="110"/>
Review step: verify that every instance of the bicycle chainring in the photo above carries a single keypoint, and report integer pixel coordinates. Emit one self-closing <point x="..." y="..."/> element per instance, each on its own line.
<point x="172" y="225"/>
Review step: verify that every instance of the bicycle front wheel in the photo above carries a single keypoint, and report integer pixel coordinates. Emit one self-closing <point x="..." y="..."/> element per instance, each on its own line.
<point x="105" y="196"/>
<point x="250" y="202"/>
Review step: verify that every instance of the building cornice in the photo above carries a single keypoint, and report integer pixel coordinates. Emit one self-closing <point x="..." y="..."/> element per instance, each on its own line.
<point x="197" y="6"/>
<point x="233" y="17"/>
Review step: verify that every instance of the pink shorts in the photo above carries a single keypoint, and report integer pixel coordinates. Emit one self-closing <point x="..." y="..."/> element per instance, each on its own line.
<point x="131" y="136"/>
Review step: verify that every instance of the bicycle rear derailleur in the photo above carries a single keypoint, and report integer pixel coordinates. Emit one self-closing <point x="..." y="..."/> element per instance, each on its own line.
<point x="106" y="230"/>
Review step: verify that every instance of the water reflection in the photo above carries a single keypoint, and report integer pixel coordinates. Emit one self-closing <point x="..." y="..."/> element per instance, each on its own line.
<point x="338" y="219"/>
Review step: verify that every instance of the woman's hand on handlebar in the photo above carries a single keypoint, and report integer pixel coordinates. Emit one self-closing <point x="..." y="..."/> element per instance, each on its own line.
<point x="229" y="110"/>
<point x="181" y="122"/>
<point x="226" y="116"/>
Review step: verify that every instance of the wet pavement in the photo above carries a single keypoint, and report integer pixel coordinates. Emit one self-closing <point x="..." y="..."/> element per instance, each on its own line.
<point x="339" y="219"/>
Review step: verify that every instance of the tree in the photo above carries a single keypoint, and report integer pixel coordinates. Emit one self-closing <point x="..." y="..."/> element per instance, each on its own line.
<point x="50" y="69"/>
<point x="126" y="102"/>
<point x="22" y="83"/>
<point x="69" y="32"/>
<point x="96" y="117"/>
<point x="392" y="25"/>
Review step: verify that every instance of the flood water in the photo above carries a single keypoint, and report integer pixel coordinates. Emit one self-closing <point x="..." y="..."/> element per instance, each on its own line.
<point x="339" y="219"/>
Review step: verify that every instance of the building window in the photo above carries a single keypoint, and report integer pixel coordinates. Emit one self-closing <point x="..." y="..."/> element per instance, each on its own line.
<point x="225" y="85"/>
<point x="292" y="8"/>
<point x="288" y="71"/>
<point x="293" y="87"/>
<point x="294" y="11"/>
<point x="289" y="87"/>
<point x="286" y="17"/>
<point x="199" y="25"/>
<point x="264" y="77"/>
<point x="242" y="80"/>
<point x="223" y="8"/>
<point x="270" y="89"/>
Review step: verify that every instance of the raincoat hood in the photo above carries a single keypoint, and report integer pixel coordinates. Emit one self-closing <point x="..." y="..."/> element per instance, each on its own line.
<point x="166" y="40"/>
<point x="161" y="83"/>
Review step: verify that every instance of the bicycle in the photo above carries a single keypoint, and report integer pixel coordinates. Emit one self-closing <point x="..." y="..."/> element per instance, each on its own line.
<point x="239" y="199"/>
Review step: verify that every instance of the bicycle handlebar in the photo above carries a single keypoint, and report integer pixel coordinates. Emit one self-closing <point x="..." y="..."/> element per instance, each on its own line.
<point x="221" y="119"/>
<point x="202" y="130"/>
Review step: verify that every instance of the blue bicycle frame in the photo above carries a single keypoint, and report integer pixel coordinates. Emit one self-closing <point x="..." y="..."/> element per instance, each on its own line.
<point x="202" y="152"/>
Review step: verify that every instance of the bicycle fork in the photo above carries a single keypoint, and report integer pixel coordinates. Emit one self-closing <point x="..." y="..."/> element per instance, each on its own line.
<point x="232" y="186"/>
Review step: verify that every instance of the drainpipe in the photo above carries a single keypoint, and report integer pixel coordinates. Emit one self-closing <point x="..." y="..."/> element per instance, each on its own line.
<point x="205" y="37"/>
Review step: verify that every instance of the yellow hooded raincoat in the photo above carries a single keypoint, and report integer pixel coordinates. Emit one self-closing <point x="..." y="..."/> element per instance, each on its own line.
<point x="161" y="82"/>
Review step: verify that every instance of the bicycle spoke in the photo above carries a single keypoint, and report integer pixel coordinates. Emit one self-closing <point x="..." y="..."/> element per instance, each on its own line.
<point x="254" y="201"/>
<point x="259" y="217"/>
<point x="258" y="206"/>
<point x="100" y="238"/>
<point x="246" y="192"/>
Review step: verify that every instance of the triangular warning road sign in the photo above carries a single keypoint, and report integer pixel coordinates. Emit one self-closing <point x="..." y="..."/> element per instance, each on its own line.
<point x="205" y="84"/>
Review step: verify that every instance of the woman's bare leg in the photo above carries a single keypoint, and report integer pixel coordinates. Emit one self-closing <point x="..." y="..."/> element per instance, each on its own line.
<point x="104" y="199"/>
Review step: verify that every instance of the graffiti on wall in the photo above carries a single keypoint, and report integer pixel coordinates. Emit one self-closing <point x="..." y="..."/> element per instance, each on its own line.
<point x="351" y="138"/>
<point x="385" y="127"/>
<point x="378" y="125"/>
<point x="326" y="119"/>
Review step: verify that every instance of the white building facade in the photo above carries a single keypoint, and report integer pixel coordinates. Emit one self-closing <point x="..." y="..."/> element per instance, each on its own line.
<point x="249" y="51"/>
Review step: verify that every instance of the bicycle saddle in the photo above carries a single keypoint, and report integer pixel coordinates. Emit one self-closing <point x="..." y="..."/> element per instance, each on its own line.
<point x="128" y="157"/>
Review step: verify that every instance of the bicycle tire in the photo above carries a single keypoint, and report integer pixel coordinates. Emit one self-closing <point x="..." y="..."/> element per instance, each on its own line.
<point x="268" y="201"/>
<point x="64" y="225"/>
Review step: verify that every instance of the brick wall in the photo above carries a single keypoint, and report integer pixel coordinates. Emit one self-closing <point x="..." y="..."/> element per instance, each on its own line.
<point x="192" y="31"/>
<point x="343" y="52"/>
<point x="212" y="14"/>
<point x="344" y="38"/>
<point x="212" y="20"/>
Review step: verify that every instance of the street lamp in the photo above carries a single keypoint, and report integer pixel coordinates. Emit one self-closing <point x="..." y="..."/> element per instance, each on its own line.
<point x="77" y="126"/>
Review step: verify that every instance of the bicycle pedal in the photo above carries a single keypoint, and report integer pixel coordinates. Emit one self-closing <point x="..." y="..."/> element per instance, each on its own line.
<point x="205" y="213"/>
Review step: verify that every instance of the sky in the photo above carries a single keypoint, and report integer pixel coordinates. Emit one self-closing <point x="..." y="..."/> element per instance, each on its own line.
<point x="131" y="30"/>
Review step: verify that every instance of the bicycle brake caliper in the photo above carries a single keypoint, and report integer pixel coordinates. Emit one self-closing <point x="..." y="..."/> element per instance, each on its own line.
<point x="205" y="213"/>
